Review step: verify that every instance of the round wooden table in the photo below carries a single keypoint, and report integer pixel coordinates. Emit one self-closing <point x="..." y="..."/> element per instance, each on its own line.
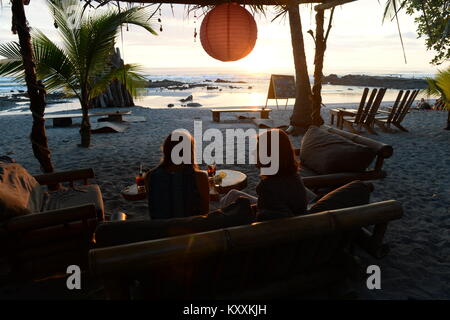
<point x="233" y="180"/>
<point x="131" y="193"/>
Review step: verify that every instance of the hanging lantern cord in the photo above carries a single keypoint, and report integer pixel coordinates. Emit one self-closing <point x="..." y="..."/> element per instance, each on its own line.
<point x="195" y="26"/>
<point x="159" y="20"/>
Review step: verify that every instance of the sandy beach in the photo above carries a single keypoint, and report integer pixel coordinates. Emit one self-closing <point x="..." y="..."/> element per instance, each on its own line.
<point x="418" y="266"/>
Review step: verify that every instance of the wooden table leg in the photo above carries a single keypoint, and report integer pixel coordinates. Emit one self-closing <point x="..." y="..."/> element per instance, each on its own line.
<point x="216" y="116"/>
<point x="340" y="120"/>
<point x="264" y="114"/>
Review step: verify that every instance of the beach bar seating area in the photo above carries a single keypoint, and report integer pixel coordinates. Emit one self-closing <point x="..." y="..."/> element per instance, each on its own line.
<point x="226" y="253"/>
<point x="201" y="194"/>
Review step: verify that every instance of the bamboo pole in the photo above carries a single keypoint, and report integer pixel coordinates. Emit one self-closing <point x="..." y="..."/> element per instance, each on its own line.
<point x="36" y="91"/>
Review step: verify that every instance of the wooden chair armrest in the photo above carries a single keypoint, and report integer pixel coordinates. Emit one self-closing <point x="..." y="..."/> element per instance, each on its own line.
<point x="329" y="180"/>
<point x="382" y="149"/>
<point x="51" y="218"/>
<point x="65" y="176"/>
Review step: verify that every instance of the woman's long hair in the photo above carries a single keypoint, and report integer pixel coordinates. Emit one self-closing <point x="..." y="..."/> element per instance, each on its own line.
<point x="288" y="164"/>
<point x="168" y="146"/>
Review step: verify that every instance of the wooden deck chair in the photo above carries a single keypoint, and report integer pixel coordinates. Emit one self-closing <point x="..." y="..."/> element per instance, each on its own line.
<point x="397" y="121"/>
<point x="338" y="112"/>
<point x="398" y="111"/>
<point x="385" y="122"/>
<point x="366" y="114"/>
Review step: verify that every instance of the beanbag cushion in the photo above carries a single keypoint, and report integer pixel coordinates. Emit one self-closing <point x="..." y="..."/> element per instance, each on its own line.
<point x="325" y="152"/>
<point x="20" y="193"/>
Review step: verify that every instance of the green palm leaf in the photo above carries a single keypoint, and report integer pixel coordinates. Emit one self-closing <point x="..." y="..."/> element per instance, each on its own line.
<point x="53" y="67"/>
<point x="11" y="66"/>
<point x="99" y="35"/>
<point x="440" y="87"/>
<point x="127" y="74"/>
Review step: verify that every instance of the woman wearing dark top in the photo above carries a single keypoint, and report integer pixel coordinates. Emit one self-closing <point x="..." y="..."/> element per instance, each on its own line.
<point x="281" y="194"/>
<point x="177" y="190"/>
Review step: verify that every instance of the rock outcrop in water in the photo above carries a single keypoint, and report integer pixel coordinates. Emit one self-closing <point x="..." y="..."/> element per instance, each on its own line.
<point x="375" y="81"/>
<point x="116" y="95"/>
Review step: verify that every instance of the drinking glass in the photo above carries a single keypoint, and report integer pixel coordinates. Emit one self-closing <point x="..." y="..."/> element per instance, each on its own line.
<point x="212" y="170"/>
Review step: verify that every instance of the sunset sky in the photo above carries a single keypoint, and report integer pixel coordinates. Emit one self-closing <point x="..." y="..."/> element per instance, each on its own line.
<point x="358" y="43"/>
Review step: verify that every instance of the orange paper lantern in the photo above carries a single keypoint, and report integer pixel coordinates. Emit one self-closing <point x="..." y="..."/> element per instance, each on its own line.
<point x="228" y="32"/>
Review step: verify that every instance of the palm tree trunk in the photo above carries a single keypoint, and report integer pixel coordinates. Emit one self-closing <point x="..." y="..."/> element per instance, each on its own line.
<point x="301" y="115"/>
<point x="85" y="130"/>
<point x="318" y="67"/>
<point x="36" y="92"/>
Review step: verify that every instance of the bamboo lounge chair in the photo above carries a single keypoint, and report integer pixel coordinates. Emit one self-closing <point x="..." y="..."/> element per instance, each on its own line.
<point x="365" y="115"/>
<point x="38" y="244"/>
<point x="272" y="259"/>
<point x="398" y="111"/>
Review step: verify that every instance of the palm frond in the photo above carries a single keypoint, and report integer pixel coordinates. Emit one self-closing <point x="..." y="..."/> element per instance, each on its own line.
<point x="68" y="15"/>
<point x="12" y="65"/>
<point x="391" y="11"/>
<point x="97" y="35"/>
<point x="52" y="64"/>
<point x="432" y="89"/>
<point x="392" y="8"/>
<point x="127" y="74"/>
<point x="11" y="50"/>
<point x="12" y="68"/>
<point x="443" y="82"/>
<point x="440" y="87"/>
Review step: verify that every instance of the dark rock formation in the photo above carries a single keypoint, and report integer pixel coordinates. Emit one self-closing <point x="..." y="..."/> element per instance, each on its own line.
<point x="163" y="84"/>
<point x="228" y="81"/>
<point x="193" y="104"/>
<point x="116" y="95"/>
<point x="189" y="98"/>
<point x="375" y="81"/>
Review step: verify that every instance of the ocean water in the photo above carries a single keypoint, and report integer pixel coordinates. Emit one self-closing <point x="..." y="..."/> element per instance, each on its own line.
<point x="249" y="94"/>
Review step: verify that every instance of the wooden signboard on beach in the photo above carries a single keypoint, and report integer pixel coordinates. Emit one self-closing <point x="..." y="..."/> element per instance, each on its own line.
<point x="281" y="87"/>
